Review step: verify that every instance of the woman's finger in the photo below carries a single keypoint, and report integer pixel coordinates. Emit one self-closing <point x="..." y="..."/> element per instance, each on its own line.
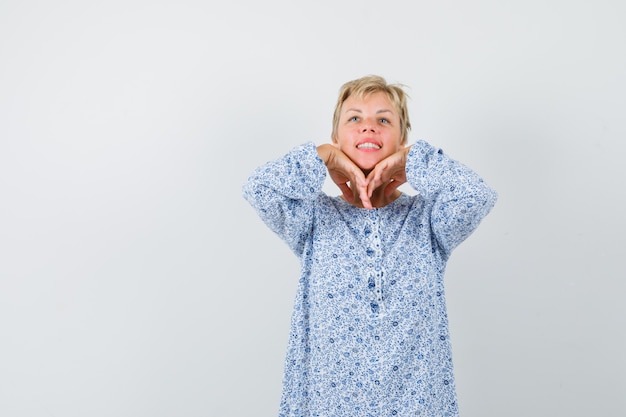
<point x="347" y="193"/>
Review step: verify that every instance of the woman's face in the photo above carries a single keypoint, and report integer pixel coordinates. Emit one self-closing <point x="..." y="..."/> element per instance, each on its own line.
<point x="368" y="130"/>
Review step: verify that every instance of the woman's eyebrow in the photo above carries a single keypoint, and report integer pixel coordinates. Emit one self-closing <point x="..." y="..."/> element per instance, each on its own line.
<point x="379" y="111"/>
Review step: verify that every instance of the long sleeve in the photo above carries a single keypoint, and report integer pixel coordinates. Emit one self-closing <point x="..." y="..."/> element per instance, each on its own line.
<point x="283" y="191"/>
<point x="460" y="198"/>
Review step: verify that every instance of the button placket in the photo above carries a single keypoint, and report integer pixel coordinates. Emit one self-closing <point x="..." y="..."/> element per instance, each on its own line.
<point x="374" y="255"/>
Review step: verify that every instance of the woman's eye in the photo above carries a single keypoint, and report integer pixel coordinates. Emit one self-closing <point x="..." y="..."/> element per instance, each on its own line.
<point x="354" y="119"/>
<point x="384" y="120"/>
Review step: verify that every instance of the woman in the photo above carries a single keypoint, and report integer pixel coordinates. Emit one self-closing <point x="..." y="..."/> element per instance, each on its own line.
<point x="369" y="331"/>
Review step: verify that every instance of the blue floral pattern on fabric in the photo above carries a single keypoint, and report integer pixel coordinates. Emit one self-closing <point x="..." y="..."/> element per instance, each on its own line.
<point x="369" y="331"/>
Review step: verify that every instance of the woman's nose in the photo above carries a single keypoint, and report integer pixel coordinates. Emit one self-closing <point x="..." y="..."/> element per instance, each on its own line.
<point x="368" y="126"/>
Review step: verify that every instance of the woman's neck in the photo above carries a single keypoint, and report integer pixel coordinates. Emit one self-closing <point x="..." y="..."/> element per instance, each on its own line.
<point x="378" y="198"/>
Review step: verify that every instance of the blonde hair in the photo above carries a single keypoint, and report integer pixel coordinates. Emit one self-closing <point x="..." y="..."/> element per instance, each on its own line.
<point x="370" y="84"/>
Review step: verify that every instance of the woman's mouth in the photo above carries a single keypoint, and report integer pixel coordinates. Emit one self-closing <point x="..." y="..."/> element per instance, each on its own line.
<point x="367" y="145"/>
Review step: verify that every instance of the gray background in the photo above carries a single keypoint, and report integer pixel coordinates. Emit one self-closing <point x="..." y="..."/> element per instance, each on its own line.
<point x="135" y="280"/>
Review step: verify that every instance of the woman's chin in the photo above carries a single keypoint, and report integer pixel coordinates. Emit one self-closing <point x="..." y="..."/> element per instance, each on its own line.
<point x="366" y="167"/>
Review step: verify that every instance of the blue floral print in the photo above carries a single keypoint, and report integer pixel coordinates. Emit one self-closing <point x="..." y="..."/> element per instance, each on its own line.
<point x="369" y="331"/>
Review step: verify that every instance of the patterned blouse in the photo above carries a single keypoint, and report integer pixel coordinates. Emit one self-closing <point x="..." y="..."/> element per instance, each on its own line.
<point x="369" y="331"/>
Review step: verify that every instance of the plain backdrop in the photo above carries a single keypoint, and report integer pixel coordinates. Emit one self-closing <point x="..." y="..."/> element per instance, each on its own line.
<point x="136" y="281"/>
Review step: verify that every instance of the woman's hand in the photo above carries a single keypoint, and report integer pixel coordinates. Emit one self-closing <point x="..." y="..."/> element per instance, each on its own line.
<point x="390" y="171"/>
<point x="345" y="174"/>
